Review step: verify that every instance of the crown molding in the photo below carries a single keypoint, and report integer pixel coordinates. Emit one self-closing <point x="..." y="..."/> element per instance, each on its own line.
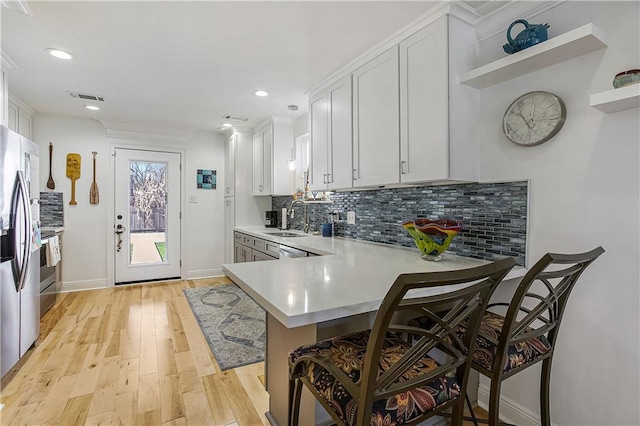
<point x="150" y="132"/>
<point x="452" y="8"/>
<point x="7" y="62"/>
<point x="497" y="21"/>
<point x="21" y="6"/>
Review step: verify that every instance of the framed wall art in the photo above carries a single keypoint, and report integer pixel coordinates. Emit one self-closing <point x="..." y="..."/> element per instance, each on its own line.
<point x="206" y="179"/>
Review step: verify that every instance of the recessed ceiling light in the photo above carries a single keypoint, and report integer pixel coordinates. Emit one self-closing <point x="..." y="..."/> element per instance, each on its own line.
<point x="92" y="107"/>
<point x="60" y="54"/>
<point x="261" y="93"/>
<point x="227" y="125"/>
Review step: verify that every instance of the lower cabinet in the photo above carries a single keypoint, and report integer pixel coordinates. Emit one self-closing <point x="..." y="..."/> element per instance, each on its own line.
<point x="242" y="253"/>
<point x="252" y="249"/>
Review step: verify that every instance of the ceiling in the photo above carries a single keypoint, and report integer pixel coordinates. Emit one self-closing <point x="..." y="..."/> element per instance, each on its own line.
<point x="187" y="64"/>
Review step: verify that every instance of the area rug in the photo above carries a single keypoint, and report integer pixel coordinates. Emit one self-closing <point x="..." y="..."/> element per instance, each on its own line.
<point x="233" y="324"/>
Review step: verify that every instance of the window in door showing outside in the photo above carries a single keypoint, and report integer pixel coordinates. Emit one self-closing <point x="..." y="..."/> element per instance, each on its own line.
<point x="148" y="211"/>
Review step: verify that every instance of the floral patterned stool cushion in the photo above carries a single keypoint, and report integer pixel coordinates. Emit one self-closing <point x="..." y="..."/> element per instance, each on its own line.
<point x="517" y="355"/>
<point x="347" y="353"/>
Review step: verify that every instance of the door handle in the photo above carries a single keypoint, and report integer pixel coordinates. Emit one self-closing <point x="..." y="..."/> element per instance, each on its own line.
<point x="355" y="174"/>
<point x="119" y="231"/>
<point x="402" y="164"/>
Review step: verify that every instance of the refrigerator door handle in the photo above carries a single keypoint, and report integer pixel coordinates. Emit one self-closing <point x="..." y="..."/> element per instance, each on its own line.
<point x="20" y="265"/>
<point x="28" y="230"/>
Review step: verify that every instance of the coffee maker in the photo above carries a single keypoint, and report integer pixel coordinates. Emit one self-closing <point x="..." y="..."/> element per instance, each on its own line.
<point x="271" y="219"/>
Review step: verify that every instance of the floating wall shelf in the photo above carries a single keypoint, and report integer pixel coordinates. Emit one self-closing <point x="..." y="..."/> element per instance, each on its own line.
<point x="617" y="99"/>
<point x="584" y="39"/>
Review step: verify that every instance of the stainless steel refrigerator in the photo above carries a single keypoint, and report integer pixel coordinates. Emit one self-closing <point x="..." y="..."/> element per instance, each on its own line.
<point x="20" y="235"/>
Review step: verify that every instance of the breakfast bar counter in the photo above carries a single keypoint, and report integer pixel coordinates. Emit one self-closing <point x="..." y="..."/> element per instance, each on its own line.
<point x="317" y="297"/>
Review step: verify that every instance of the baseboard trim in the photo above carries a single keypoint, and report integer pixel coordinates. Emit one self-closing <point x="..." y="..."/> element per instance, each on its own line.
<point x="204" y="273"/>
<point x="510" y="411"/>
<point x="70" y="286"/>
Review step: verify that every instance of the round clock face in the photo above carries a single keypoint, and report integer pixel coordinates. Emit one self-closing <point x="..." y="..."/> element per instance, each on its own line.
<point x="534" y="118"/>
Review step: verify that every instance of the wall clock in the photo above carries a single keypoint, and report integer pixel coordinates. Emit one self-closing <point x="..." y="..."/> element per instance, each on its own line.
<point x="534" y="118"/>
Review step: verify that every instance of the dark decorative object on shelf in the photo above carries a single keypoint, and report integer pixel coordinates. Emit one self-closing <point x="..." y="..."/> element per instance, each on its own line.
<point x="531" y="35"/>
<point x="626" y="78"/>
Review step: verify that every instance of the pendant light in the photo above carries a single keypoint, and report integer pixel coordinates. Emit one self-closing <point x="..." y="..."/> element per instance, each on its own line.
<point x="292" y="161"/>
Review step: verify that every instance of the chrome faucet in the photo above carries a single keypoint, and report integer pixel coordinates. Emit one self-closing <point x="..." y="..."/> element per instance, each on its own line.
<point x="306" y="216"/>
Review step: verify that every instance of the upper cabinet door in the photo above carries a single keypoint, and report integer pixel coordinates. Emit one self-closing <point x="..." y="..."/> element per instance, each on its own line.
<point x="376" y="121"/>
<point x="258" y="164"/>
<point x="267" y="140"/>
<point x="4" y="98"/>
<point x="339" y="171"/>
<point x="12" y="114"/>
<point x="229" y="166"/>
<point x="318" y="130"/>
<point x="424" y="89"/>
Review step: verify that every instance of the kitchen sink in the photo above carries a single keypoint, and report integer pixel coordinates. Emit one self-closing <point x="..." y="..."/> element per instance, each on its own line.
<point x="285" y="234"/>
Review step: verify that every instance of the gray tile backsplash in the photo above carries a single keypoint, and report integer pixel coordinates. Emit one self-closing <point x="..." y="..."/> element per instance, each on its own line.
<point x="51" y="209"/>
<point x="494" y="215"/>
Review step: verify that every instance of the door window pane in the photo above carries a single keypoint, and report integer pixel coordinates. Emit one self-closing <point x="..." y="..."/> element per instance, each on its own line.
<point x="147" y="211"/>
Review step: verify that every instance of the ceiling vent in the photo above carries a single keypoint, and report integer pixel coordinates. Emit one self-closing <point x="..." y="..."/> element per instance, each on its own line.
<point x="84" y="96"/>
<point x="234" y="117"/>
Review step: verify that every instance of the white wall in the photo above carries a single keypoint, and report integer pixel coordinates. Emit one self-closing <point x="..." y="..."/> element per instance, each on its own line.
<point x="301" y="125"/>
<point x="86" y="236"/>
<point x="584" y="193"/>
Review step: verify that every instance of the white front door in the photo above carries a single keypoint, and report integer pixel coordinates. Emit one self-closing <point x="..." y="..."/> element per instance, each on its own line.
<point x="147" y="215"/>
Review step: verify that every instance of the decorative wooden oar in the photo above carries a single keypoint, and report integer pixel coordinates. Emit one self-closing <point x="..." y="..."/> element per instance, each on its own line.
<point x="50" y="183"/>
<point x="73" y="173"/>
<point x="94" y="194"/>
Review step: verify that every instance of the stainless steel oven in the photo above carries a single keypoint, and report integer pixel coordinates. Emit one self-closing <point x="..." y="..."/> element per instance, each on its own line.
<point x="49" y="282"/>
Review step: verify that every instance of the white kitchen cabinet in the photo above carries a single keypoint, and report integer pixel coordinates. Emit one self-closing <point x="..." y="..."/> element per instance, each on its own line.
<point x="19" y="116"/>
<point x="437" y="113"/>
<point x="319" y="140"/>
<point x="330" y="115"/>
<point x="260" y="158"/>
<point x="4" y="98"/>
<point x="423" y="105"/>
<point x="376" y="121"/>
<point x="12" y="116"/>
<point x="272" y="144"/>
<point x="229" y="224"/>
<point x="230" y="165"/>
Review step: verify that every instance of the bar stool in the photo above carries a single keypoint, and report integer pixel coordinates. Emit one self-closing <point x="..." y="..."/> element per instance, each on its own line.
<point x="510" y="343"/>
<point x="379" y="376"/>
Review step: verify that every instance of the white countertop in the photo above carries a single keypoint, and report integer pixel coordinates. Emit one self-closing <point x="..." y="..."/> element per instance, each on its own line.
<point x="52" y="229"/>
<point x="47" y="230"/>
<point x="350" y="277"/>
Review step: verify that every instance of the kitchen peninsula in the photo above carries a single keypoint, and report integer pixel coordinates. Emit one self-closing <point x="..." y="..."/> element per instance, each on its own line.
<point x="313" y="298"/>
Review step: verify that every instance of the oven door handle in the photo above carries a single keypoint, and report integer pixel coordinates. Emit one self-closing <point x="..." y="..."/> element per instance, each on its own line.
<point x="289" y="252"/>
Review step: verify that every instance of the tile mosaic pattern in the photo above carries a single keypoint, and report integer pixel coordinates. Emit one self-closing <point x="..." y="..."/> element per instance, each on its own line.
<point x="51" y="209"/>
<point x="494" y="215"/>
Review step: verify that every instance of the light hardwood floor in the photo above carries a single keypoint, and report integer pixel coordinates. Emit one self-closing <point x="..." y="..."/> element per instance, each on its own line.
<point x="126" y="356"/>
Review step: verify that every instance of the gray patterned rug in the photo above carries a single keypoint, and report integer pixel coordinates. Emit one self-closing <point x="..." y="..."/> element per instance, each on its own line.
<point x="232" y="322"/>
